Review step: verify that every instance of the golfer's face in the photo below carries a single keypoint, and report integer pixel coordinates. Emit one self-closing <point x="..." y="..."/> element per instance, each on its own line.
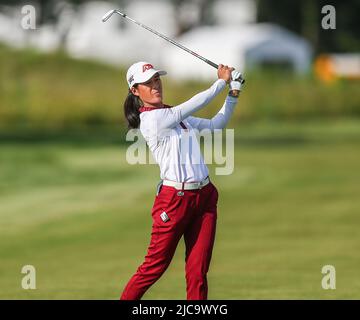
<point x="151" y="90"/>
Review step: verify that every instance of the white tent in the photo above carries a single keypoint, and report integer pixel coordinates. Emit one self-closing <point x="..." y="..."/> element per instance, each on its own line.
<point x="242" y="47"/>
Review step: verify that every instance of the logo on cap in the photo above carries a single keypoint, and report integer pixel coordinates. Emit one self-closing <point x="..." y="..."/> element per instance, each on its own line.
<point x="147" y="66"/>
<point x="131" y="79"/>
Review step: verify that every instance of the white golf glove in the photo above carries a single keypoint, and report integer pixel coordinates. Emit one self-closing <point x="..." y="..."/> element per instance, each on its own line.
<point x="235" y="87"/>
<point x="236" y="75"/>
<point x="235" y="83"/>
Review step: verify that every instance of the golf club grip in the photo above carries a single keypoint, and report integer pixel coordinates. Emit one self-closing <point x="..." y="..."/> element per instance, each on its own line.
<point x="216" y="66"/>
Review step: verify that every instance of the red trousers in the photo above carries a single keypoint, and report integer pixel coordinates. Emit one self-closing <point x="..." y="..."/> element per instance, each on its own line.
<point x="192" y="215"/>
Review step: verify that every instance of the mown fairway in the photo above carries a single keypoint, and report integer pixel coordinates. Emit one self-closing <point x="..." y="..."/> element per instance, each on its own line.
<point x="81" y="215"/>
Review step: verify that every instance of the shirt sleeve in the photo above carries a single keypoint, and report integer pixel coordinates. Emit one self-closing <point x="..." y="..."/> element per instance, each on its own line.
<point x="170" y="117"/>
<point x="219" y="121"/>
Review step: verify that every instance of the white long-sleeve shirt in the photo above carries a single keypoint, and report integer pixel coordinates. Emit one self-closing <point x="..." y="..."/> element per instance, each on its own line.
<point x="176" y="150"/>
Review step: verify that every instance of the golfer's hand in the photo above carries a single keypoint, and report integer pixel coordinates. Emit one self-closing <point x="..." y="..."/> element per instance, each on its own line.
<point x="224" y="72"/>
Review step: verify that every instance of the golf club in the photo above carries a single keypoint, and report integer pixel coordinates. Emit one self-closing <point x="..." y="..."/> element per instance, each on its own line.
<point x="111" y="12"/>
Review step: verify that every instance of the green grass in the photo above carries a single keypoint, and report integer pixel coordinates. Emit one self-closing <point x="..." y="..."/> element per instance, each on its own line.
<point x="81" y="215"/>
<point x="53" y="91"/>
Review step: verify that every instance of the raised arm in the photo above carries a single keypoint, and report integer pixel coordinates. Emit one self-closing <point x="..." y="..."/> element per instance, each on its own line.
<point x="219" y="121"/>
<point x="197" y="102"/>
<point x="173" y="116"/>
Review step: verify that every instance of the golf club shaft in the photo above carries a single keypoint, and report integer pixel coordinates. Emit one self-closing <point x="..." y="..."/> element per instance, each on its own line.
<point x="109" y="14"/>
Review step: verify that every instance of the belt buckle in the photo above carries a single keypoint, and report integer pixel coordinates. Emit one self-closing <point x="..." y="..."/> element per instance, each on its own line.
<point x="202" y="183"/>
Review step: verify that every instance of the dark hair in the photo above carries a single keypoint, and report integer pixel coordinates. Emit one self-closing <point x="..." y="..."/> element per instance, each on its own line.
<point x="131" y="109"/>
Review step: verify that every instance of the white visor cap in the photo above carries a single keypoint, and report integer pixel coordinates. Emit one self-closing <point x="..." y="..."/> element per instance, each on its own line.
<point x="141" y="72"/>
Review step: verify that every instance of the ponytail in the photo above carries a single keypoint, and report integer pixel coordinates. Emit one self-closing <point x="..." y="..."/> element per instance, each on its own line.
<point x="131" y="109"/>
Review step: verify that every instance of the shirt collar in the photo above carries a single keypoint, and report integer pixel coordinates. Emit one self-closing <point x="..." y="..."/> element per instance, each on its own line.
<point x="147" y="108"/>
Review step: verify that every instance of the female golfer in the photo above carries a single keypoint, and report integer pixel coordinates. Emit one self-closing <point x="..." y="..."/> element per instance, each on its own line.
<point x="186" y="200"/>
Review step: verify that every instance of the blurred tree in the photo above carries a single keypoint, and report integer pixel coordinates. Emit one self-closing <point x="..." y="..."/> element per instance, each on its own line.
<point x="304" y="17"/>
<point x="44" y="8"/>
<point x="183" y="20"/>
<point x="49" y="11"/>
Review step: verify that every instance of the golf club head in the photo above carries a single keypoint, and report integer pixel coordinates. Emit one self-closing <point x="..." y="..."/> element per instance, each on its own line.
<point x="110" y="13"/>
<point x="107" y="15"/>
